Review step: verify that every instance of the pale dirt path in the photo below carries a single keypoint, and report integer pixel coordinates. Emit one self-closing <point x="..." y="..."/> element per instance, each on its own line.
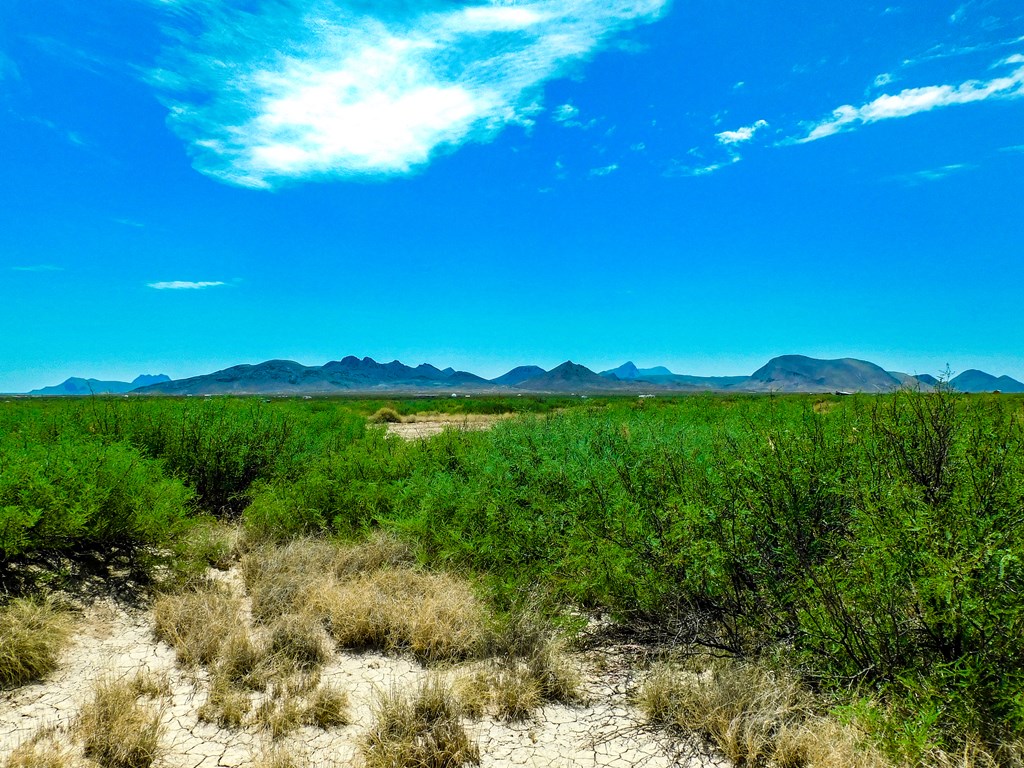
<point x="117" y="641"/>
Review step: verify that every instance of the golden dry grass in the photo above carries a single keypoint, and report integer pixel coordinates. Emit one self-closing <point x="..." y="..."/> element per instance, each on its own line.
<point x="754" y="716"/>
<point x="419" y="730"/>
<point x="32" y="635"/>
<point x="327" y="707"/>
<point x="43" y="750"/>
<point x="739" y="708"/>
<point x="195" y="622"/>
<point x="300" y="639"/>
<point x="279" y="757"/>
<point x="434" y="616"/>
<point x="118" y="728"/>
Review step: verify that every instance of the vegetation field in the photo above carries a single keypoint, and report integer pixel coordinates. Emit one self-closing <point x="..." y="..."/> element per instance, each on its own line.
<point x="862" y="557"/>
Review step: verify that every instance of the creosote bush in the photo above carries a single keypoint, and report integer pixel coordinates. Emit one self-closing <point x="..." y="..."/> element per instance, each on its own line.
<point x="420" y="728"/>
<point x="32" y="635"/>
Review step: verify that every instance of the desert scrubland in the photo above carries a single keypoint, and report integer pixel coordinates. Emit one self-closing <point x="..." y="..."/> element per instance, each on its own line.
<point x="756" y="580"/>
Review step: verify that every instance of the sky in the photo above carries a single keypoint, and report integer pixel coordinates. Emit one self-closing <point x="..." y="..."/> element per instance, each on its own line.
<point x="187" y="185"/>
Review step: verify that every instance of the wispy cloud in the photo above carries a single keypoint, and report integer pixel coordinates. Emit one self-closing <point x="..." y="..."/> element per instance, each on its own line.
<point x="301" y="90"/>
<point x="39" y="268"/>
<point x="912" y="101"/>
<point x="129" y="223"/>
<point x="184" y="285"/>
<point x="740" y="135"/>
<point x="604" y="170"/>
<point x="682" y="169"/>
<point x="564" y="113"/>
<point x="932" y="174"/>
<point x="8" y="69"/>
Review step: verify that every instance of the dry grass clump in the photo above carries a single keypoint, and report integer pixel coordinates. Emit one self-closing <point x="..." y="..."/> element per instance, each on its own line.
<point x="226" y="705"/>
<point x="386" y="416"/>
<point x="974" y="754"/>
<point x="279" y="579"/>
<point x="242" y="661"/>
<point x="32" y="635"/>
<point x="43" y="750"/>
<point x="327" y="707"/>
<point x="435" y="616"/>
<point x="195" y="622"/>
<point x="740" y="708"/>
<point x="300" y="639"/>
<point x="821" y="742"/>
<point x="529" y="667"/>
<point x="380" y="550"/>
<point x="422" y="729"/>
<point x="279" y="757"/>
<point x="753" y="716"/>
<point x="118" y="728"/>
<point x="282" y="579"/>
<point x="279" y="714"/>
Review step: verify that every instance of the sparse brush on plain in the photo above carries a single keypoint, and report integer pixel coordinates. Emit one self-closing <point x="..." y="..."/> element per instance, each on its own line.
<point x="386" y="416"/>
<point x="419" y="729"/>
<point x="32" y="635"/>
<point x="738" y="707"/>
<point x="43" y="750"/>
<point x="117" y="729"/>
<point x="196" y="622"/>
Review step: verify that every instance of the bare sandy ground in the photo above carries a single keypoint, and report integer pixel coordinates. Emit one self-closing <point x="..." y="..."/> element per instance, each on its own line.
<point x="118" y="641"/>
<point x="426" y="425"/>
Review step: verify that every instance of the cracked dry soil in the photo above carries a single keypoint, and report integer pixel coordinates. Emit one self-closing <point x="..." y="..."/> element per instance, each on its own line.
<point x="116" y="640"/>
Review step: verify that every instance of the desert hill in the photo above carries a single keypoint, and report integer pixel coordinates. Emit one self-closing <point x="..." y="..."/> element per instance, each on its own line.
<point x="79" y="386"/>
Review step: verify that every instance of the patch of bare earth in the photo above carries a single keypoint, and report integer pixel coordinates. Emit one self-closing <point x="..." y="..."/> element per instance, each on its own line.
<point x="115" y="642"/>
<point x="426" y="425"/>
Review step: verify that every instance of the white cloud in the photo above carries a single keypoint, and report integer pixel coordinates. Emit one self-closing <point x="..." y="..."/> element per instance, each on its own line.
<point x="678" y="169"/>
<point x="883" y="80"/>
<point x="351" y="88"/>
<point x="740" y="135"/>
<point x="933" y="174"/>
<point x="604" y="170"/>
<point x="179" y="285"/>
<point x="39" y="268"/>
<point x="565" y="112"/>
<point x="912" y="101"/>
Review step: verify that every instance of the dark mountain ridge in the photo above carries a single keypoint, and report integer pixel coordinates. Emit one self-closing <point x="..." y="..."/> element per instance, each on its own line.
<point x="79" y="386"/>
<point x="354" y="375"/>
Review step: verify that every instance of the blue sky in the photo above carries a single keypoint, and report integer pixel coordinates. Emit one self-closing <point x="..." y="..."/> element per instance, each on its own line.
<point x="190" y="184"/>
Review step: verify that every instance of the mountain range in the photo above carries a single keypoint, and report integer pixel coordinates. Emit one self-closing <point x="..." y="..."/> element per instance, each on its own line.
<point x="787" y="373"/>
<point x="79" y="386"/>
